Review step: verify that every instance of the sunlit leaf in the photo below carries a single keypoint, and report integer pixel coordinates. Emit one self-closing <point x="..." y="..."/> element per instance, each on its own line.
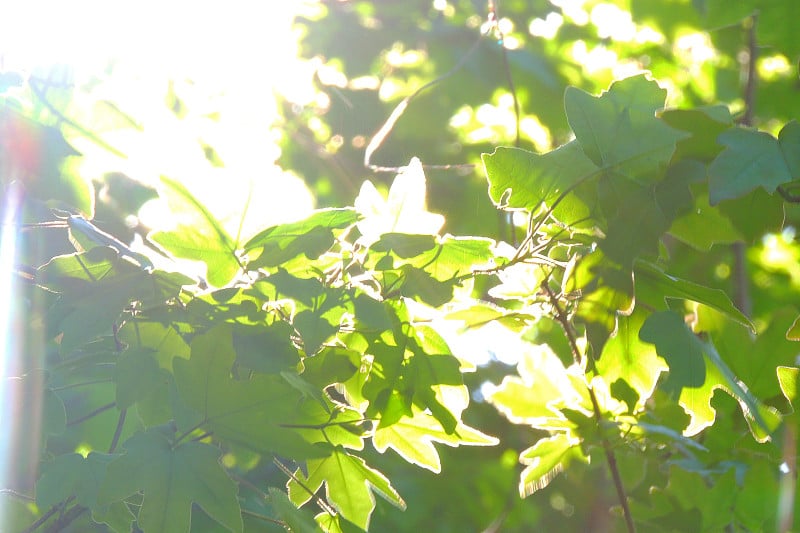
<point x="789" y="379"/>
<point x="310" y="237"/>
<point x="349" y="486"/>
<point x="519" y="179"/>
<point x="627" y="358"/>
<point x="199" y="236"/>
<point x="542" y="389"/>
<point x="545" y="460"/>
<point x="413" y="438"/>
<point x="696" y="371"/>
<point x="655" y="281"/>
<point x="404" y="211"/>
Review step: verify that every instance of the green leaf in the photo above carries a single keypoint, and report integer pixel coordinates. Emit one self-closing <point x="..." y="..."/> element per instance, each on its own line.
<point x="639" y="216"/>
<point x="172" y="478"/>
<point x="519" y="179"/>
<point x="753" y="159"/>
<point x="704" y="124"/>
<point x="251" y="413"/>
<point x="72" y="475"/>
<point x="404" y="211"/>
<point x="755" y="503"/>
<point x="310" y="237"/>
<point x="545" y="460"/>
<point x="697" y="370"/>
<point x="704" y="226"/>
<point x="349" y="484"/>
<point x="413" y="438"/>
<point x="298" y="521"/>
<point x="199" y="236"/>
<point x="676" y="344"/>
<point x="267" y="349"/>
<point x="650" y="278"/>
<point x="619" y="131"/>
<point x="95" y="287"/>
<point x="539" y="394"/>
<point x="793" y="334"/>
<point x="607" y="291"/>
<point x="137" y="374"/>
<point x="789" y="380"/>
<point x="627" y="358"/>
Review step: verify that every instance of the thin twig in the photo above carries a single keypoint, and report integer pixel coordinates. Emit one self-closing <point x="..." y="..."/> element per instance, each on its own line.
<point x="118" y="431"/>
<point x="325" y="506"/>
<point x="387" y="127"/>
<point x="569" y="331"/>
<point x="740" y="275"/>
<point x="99" y="410"/>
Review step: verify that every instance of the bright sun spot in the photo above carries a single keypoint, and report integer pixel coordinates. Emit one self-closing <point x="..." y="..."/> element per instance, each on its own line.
<point x="224" y="62"/>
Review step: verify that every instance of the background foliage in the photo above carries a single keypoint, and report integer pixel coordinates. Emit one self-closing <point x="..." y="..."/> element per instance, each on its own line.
<point x="619" y="311"/>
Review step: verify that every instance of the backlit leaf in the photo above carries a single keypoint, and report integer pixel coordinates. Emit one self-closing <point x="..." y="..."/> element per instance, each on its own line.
<point x="349" y="484"/>
<point x="545" y="460"/>
<point x="413" y="438"/>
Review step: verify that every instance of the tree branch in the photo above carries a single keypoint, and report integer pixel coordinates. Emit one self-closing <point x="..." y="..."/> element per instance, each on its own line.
<point x="569" y="331"/>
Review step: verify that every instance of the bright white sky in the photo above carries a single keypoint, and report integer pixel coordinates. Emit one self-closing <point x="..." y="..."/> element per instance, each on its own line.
<point x="227" y="61"/>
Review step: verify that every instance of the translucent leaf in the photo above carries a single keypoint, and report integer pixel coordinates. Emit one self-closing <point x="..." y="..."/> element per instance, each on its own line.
<point x="199" y="236"/>
<point x="696" y="371"/>
<point x="794" y="331"/>
<point x="789" y="379"/>
<point x="310" y="237"/>
<point x="545" y="460"/>
<point x="627" y="358"/>
<point x="349" y="484"/>
<point x="542" y="389"/>
<point x="413" y="438"/>
<point x="619" y="130"/>
<point x="651" y="278"/>
<point x="172" y="478"/>
<point x="404" y="211"/>
<point x="519" y="179"/>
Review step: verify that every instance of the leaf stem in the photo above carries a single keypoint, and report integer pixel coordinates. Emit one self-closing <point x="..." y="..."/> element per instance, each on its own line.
<point x="325" y="506"/>
<point x="740" y="277"/>
<point x="118" y="431"/>
<point x="99" y="410"/>
<point x="569" y="331"/>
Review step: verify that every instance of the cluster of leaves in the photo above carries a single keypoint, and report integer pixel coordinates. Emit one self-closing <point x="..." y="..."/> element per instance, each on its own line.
<point x="170" y="400"/>
<point x="305" y="344"/>
<point x="628" y="185"/>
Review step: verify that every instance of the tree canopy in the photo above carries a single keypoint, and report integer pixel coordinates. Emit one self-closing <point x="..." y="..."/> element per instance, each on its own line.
<point x="543" y="251"/>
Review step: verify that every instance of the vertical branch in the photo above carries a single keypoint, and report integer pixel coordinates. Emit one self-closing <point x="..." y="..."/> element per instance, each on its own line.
<point x="507" y="219"/>
<point x="569" y="331"/>
<point x="740" y="274"/>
